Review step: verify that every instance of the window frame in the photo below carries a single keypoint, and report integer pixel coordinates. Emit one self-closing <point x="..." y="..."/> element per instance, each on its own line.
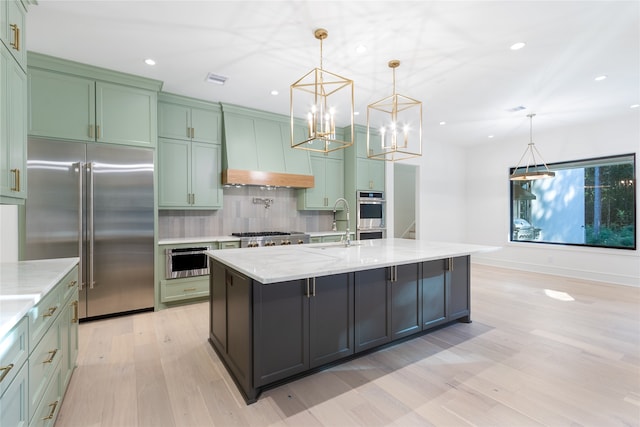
<point x="581" y="163"/>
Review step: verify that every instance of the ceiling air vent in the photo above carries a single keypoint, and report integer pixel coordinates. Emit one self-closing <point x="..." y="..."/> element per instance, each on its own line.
<point x="215" y="78"/>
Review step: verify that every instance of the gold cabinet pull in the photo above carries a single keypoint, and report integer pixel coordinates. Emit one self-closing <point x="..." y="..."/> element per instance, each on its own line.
<point x="16" y="180"/>
<point x="50" y="312"/>
<point x="53" y="407"/>
<point x="5" y="370"/>
<point x="98" y="131"/>
<point x="91" y="131"/>
<point x="52" y="354"/>
<point x="75" y="312"/>
<point x="16" y="37"/>
<point x="72" y="283"/>
<point x="193" y="132"/>
<point x="189" y="289"/>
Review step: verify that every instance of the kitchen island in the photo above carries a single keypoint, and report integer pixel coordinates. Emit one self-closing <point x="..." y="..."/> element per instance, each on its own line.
<point x="277" y="313"/>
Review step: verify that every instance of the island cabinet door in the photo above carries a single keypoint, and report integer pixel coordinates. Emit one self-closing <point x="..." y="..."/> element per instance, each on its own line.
<point x="330" y="318"/>
<point x="281" y="330"/>
<point x="459" y="288"/>
<point x="372" y="308"/>
<point x="239" y="328"/>
<point x="406" y="294"/>
<point x="434" y="293"/>
<point x="218" y="306"/>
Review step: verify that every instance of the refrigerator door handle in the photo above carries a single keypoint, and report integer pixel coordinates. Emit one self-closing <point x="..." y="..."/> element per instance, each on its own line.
<point x="90" y="229"/>
<point x="79" y="167"/>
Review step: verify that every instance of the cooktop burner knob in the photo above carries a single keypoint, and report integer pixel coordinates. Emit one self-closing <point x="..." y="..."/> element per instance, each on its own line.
<point x="300" y="241"/>
<point x="286" y="242"/>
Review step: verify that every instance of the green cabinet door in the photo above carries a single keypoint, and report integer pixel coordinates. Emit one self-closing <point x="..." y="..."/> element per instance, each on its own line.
<point x="182" y="121"/>
<point x="13" y="18"/>
<point x="13" y="141"/>
<point x="61" y="106"/>
<point x="206" y="125"/>
<point x="174" y="121"/>
<point x="174" y="173"/>
<point x="328" y="176"/>
<point x="14" y="402"/>
<point x="125" y="115"/>
<point x="188" y="175"/>
<point x="205" y="175"/>
<point x="315" y="197"/>
<point x="369" y="174"/>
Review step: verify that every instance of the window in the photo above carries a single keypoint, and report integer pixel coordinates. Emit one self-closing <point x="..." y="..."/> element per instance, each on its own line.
<point x="588" y="203"/>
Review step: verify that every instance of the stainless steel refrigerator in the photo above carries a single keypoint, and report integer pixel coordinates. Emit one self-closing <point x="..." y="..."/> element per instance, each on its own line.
<point x="94" y="201"/>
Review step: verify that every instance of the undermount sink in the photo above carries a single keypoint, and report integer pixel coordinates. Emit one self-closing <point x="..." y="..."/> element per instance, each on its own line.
<point x="335" y="245"/>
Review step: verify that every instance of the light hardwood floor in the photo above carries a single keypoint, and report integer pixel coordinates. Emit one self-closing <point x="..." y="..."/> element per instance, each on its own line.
<point x="529" y="358"/>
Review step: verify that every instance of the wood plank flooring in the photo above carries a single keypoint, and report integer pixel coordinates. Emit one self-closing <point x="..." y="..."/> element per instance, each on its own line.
<point x="541" y="351"/>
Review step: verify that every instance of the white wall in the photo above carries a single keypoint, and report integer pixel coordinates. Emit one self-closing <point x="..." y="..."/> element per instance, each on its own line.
<point x="487" y="199"/>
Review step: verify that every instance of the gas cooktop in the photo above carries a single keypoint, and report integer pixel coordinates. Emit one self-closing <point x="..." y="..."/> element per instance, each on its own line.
<point x="254" y="239"/>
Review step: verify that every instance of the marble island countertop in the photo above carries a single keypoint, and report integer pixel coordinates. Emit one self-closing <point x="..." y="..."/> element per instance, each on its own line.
<point x="282" y="263"/>
<point x="24" y="283"/>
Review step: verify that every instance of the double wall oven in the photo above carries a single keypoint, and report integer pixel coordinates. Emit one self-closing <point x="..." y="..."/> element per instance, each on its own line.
<point x="370" y="215"/>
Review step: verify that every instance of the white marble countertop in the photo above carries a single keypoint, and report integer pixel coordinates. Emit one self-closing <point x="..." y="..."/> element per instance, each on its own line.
<point x="203" y="239"/>
<point x="282" y="263"/>
<point x="24" y="283"/>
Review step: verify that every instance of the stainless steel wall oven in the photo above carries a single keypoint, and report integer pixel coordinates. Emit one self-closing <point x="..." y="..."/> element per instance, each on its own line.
<point x="187" y="262"/>
<point x="370" y="215"/>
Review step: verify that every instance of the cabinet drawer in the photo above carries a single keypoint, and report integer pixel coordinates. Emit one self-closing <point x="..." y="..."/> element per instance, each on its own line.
<point x="69" y="285"/>
<point x="229" y="245"/>
<point x="47" y="411"/>
<point x="44" y="362"/>
<point x="13" y="353"/>
<point x="183" y="289"/>
<point x="14" y="403"/>
<point x="43" y="315"/>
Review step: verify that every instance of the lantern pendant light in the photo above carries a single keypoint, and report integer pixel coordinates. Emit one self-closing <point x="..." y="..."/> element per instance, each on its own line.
<point x="394" y="126"/>
<point x="530" y="170"/>
<point x="320" y="100"/>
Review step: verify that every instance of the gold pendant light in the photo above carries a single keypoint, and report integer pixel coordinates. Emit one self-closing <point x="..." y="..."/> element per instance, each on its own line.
<point x="319" y="101"/>
<point x="530" y="170"/>
<point x="394" y="126"/>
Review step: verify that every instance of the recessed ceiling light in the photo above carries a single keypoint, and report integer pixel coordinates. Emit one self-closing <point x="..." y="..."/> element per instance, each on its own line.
<point x="443" y="123"/>
<point x="215" y="78"/>
<point x="634" y="105"/>
<point x="518" y="46"/>
<point x="361" y="49"/>
<point x="149" y="61"/>
<point x="490" y="136"/>
<point x="274" y="92"/>
<point x="600" y="78"/>
<point x="356" y="113"/>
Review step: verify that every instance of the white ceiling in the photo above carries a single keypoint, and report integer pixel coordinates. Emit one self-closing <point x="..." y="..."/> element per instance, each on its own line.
<point x="454" y="55"/>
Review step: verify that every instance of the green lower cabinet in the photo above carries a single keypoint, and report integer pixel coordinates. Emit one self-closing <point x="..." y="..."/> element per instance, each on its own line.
<point x="14" y="403"/>
<point x="188" y="175"/>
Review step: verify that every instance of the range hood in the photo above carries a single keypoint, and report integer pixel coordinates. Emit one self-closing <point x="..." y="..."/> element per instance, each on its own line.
<point x="257" y="150"/>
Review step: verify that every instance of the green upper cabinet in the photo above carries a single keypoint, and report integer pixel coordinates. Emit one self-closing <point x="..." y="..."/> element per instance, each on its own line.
<point x="189" y="119"/>
<point x="13" y="18"/>
<point x="369" y="174"/>
<point x="13" y="128"/>
<point x="188" y="175"/>
<point x="328" y="175"/>
<point x="79" y="102"/>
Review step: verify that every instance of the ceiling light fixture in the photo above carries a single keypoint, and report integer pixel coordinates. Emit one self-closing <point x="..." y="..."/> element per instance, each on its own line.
<point x="530" y="169"/>
<point x="397" y="122"/>
<point x="323" y="99"/>
<point x="634" y="105"/>
<point x="600" y="78"/>
<point x="149" y="61"/>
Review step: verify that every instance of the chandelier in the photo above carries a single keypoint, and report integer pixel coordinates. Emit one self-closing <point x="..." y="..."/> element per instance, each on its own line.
<point x="394" y="126"/>
<point x="530" y="170"/>
<point x="319" y="100"/>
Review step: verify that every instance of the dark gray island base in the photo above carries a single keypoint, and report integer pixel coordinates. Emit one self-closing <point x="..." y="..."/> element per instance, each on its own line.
<point x="267" y="334"/>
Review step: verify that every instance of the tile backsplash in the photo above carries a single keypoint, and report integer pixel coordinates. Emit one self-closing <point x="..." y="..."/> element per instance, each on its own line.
<point x="241" y="214"/>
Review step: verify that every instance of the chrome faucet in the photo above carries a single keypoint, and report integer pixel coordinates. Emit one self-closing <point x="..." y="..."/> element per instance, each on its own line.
<point x="347" y="235"/>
